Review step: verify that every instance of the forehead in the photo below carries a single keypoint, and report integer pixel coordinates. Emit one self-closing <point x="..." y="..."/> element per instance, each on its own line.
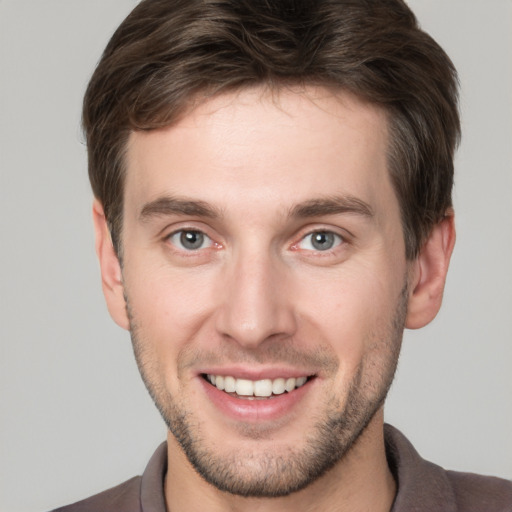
<point x="257" y="145"/>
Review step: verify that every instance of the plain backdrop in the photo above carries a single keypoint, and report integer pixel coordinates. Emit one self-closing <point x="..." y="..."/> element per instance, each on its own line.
<point x="74" y="415"/>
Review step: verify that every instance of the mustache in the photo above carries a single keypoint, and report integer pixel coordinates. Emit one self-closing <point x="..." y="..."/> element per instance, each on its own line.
<point x="276" y="353"/>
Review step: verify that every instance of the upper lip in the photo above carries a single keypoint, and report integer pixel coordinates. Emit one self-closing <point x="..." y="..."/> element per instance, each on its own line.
<point x="256" y="373"/>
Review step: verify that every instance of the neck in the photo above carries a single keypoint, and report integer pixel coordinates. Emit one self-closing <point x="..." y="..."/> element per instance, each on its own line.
<point x="360" y="481"/>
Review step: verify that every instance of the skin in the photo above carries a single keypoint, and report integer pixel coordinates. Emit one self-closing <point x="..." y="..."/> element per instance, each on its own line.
<point x="257" y="173"/>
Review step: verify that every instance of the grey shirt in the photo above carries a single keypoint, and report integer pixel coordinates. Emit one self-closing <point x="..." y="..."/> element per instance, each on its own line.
<point x="421" y="486"/>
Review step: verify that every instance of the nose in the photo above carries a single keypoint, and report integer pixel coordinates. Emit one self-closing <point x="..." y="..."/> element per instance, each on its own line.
<point x="256" y="301"/>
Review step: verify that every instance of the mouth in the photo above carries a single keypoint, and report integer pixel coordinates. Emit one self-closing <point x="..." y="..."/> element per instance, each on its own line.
<point x="256" y="389"/>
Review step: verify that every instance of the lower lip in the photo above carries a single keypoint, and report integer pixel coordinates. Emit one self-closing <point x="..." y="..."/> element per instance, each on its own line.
<point x="257" y="410"/>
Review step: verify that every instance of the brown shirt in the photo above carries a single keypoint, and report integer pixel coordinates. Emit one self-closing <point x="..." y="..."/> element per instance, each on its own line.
<point x="422" y="486"/>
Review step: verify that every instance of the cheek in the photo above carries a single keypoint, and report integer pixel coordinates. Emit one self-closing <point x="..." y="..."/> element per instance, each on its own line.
<point x="352" y="311"/>
<point x="168" y="318"/>
<point x="349" y="299"/>
<point x="168" y="306"/>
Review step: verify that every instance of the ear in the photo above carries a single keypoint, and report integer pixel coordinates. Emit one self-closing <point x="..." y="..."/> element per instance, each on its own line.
<point x="428" y="274"/>
<point x="111" y="276"/>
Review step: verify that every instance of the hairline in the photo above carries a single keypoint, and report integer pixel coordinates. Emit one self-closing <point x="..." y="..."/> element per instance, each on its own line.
<point x="197" y="98"/>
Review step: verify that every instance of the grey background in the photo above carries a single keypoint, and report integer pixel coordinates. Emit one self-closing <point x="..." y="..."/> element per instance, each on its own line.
<point x="74" y="415"/>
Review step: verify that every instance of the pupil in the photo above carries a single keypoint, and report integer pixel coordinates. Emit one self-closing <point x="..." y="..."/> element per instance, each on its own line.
<point x="323" y="241"/>
<point x="191" y="239"/>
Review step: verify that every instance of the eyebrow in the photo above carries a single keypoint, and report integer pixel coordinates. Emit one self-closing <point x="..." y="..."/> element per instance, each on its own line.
<point x="319" y="207"/>
<point x="177" y="206"/>
<point x="333" y="205"/>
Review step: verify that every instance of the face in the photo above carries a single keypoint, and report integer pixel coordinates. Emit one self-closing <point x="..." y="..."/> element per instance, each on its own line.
<point x="265" y="279"/>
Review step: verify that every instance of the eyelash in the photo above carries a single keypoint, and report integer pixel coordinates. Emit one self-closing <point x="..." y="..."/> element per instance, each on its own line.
<point x="336" y="238"/>
<point x="190" y="231"/>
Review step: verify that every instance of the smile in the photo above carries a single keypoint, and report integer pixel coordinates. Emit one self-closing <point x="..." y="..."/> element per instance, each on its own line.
<point x="249" y="389"/>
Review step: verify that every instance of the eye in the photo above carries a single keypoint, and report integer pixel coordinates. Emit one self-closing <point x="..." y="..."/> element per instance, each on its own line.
<point x="190" y="240"/>
<point x="320" y="241"/>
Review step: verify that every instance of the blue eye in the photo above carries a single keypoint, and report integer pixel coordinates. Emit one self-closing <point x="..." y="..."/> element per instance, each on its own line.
<point x="320" y="241"/>
<point x="190" y="240"/>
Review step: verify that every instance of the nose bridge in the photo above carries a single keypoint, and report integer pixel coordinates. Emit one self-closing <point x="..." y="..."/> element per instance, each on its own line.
<point x="255" y="304"/>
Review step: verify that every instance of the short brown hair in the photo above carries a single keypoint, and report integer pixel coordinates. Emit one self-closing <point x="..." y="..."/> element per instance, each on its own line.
<point x="168" y="54"/>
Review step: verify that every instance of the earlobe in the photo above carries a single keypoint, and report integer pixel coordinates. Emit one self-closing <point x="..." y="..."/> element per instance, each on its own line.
<point x="111" y="276"/>
<point x="428" y="275"/>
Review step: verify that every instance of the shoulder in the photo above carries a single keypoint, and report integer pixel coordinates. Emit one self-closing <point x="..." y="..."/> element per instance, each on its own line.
<point x="479" y="493"/>
<point x="427" y="487"/>
<point x="140" y="493"/>
<point x="124" y="497"/>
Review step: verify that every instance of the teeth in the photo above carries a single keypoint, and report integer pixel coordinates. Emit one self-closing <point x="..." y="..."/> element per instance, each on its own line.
<point x="278" y="386"/>
<point x="263" y="387"/>
<point x="218" y="381"/>
<point x="301" y="381"/>
<point x="290" y="384"/>
<point x="244" y="387"/>
<point x="260" y="388"/>
<point x="229" y="384"/>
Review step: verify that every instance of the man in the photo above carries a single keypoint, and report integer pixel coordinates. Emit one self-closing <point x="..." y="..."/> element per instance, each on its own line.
<point x="273" y="206"/>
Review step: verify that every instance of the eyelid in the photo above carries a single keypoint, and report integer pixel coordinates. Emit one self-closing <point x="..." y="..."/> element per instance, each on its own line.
<point x="176" y="229"/>
<point x="337" y="240"/>
<point x="342" y="239"/>
<point x="178" y="243"/>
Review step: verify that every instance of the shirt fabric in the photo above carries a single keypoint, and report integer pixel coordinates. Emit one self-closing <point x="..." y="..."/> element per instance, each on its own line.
<point x="421" y="486"/>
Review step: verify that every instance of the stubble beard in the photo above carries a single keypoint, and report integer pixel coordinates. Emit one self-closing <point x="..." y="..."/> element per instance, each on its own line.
<point x="268" y="474"/>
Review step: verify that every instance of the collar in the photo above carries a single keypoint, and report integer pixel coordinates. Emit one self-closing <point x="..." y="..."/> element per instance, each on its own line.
<point x="152" y="494"/>
<point x="421" y="485"/>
